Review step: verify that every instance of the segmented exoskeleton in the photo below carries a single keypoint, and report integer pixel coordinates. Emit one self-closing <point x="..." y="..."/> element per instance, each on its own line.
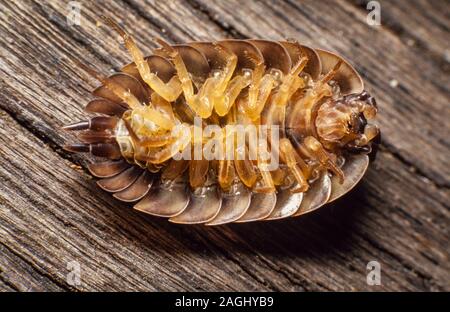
<point x="313" y="98"/>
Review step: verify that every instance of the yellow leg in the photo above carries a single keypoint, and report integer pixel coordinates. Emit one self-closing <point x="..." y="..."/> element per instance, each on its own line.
<point x="254" y="90"/>
<point x="223" y="102"/>
<point x="216" y="91"/>
<point x="279" y="176"/>
<point x="259" y="90"/>
<point x="227" y="91"/>
<point x="316" y="150"/>
<point x="149" y="113"/>
<point x="198" y="171"/>
<point x="328" y="76"/>
<point x="244" y="166"/>
<point x="174" y="169"/>
<point x="166" y="107"/>
<point x="178" y="144"/>
<point x="256" y="102"/>
<point x="124" y="94"/>
<point x="266" y="184"/>
<point x="295" y="163"/>
<point x="169" y="91"/>
<point x="286" y="87"/>
<point x="153" y="140"/>
<point x="200" y="103"/>
<point x="183" y="74"/>
<point x="227" y="71"/>
<point x="225" y="174"/>
<point x="203" y="103"/>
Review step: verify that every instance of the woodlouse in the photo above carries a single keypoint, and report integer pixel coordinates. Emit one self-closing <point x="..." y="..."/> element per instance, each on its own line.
<point x="313" y="98"/>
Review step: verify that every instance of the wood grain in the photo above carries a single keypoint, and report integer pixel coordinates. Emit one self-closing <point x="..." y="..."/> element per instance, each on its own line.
<point x="52" y="213"/>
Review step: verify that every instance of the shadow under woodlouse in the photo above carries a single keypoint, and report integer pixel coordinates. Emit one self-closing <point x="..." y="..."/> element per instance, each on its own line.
<point x="316" y="234"/>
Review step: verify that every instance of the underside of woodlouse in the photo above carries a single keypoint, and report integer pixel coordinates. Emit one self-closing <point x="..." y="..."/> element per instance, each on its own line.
<point x="229" y="131"/>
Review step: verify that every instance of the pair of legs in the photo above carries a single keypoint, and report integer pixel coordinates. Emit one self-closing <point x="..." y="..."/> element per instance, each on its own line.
<point x="218" y="91"/>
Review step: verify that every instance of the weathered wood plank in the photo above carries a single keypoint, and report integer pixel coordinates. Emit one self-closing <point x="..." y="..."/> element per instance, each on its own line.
<point x="52" y="213"/>
<point x="20" y="275"/>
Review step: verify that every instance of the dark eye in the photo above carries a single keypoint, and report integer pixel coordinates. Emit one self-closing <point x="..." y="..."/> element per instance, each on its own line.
<point x="362" y="122"/>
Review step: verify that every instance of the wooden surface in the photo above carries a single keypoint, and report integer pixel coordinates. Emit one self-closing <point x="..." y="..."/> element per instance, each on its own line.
<point x="52" y="213"/>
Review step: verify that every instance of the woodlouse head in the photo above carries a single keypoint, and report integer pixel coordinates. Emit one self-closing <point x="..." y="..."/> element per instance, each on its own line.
<point x="345" y="122"/>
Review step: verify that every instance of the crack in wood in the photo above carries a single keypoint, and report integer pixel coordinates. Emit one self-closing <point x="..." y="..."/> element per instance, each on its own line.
<point x="152" y="21"/>
<point x="56" y="280"/>
<point x="41" y="136"/>
<point x="225" y="27"/>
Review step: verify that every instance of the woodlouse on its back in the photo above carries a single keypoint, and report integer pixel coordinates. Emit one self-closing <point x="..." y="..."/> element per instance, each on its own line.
<point x="229" y="131"/>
